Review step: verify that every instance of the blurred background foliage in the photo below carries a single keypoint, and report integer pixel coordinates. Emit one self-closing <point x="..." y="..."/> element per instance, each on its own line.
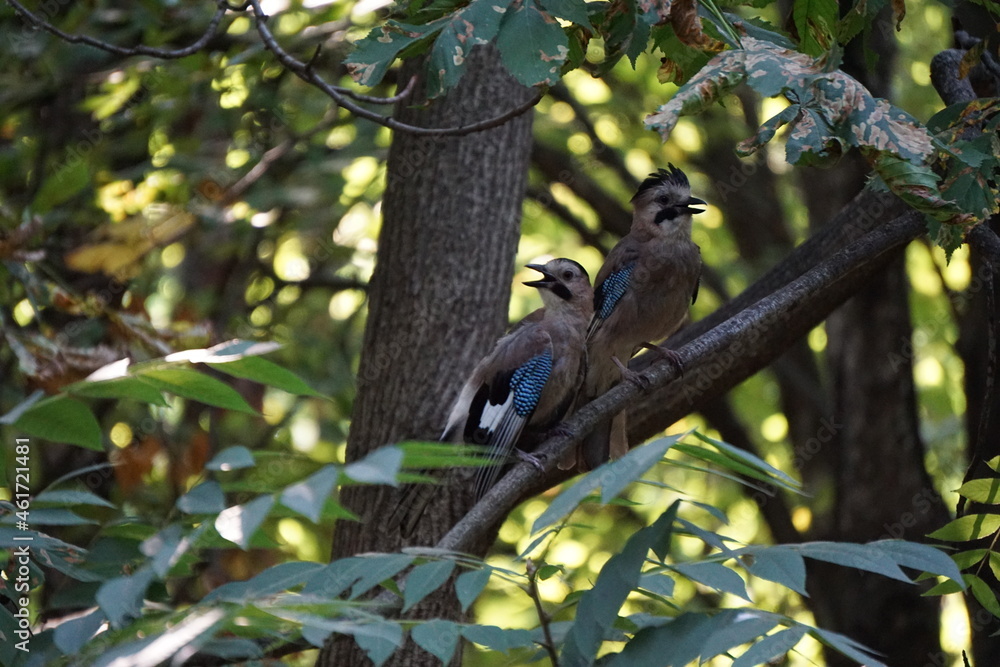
<point x="173" y="204"/>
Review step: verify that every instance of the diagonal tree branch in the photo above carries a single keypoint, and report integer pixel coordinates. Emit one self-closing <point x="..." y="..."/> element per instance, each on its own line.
<point x="731" y="351"/>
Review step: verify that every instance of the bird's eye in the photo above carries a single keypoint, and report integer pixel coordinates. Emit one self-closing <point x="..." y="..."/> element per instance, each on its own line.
<point x="567" y="274"/>
<point x="663" y="199"/>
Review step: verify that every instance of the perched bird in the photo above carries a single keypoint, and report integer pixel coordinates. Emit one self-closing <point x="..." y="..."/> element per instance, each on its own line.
<point x="641" y="296"/>
<point x="529" y="380"/>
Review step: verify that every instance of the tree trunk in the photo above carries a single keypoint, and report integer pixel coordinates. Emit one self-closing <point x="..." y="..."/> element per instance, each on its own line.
<point x="979" y="315"/>
<point x="438" y="299"/>
<point x="882" y="488"/>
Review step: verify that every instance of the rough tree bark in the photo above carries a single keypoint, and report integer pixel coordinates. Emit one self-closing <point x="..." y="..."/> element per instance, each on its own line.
<point x="438" y="299"/>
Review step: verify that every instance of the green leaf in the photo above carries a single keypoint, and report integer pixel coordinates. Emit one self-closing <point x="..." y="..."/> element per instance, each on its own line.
<point x="994" y="463"/>
<point x="846" y="646"/>
<point x="780" y="564"/>
<point x="280" y="577"/>
<point x="379" y="640"/>
<point x="271" y="581"/>
<point x="379" y="467"/>
<point x="923" y="557"/>
<point x="424" y="579"/>
<point x="310" y="495"/>
<point x="984" y="594"/>
<point x="121" y="598"/>
<point x="982" y="490"/>
<point x="764" y="470"/>
<point x="498" y="639"/>
<point x="967" y="528"/>
<point x="70" y="636"/>
<point x="70" y="497"/>
<point x="469" y="585"/>
<point x="196" y="386"/>
<point x="53" y="516"/>
<point x="675" y="643"/>
<point x="834" y="110"/>
<point x="268" y="373"/>
<point x="206" y="498"/>
<point x="374" y="54"/>
<point x="231" y="458"/>
<point x="475" y="24"/>
<point x="626" y="33"/>
<point x="858" y="556"/>
<point x="438" y="637"/>
<point x="165" y="548"/>
<point x="359" y="573"/>
<point x="192" y="629"/>
<point x="62" y="419"/>
<point x="532" y="45"/>
<point x="966" y="559"/>
<point x="421" y="455"/>
<point x="611" y="478"/>
<point x="657" y="583"/>
<point x="224" y="353"/>
<point x="740" y="627"/>
<point x="771" y="647"/>
<point x="917" y="185"/>
<point x="714" y="575"/>
<point x="598" y="607"/>
<point x="238" y="524"/>
<point x="69" y="179"/>
<point x="815" y="21"/>
<point x="945" y="587"/>
<point x="995" y="563"/>
<point x="127" y="388"/>
<point x="571" y="10"/>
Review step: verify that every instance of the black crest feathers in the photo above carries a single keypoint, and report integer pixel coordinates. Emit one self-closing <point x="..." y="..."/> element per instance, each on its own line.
<point x="661" y="177"/>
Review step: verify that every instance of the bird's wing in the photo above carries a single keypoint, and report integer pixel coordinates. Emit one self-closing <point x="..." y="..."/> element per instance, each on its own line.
<point x="697" y="283"/>
<point x="505" y="400"/>
<point x="609" y="292"/>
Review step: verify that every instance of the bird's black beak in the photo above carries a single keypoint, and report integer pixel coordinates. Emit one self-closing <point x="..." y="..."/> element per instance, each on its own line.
<point x="547" y="280"/>
<point x="694" y="201"/>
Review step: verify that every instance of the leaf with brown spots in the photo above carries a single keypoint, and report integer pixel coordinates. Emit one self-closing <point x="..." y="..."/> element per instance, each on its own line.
<point x="687" y="25"/>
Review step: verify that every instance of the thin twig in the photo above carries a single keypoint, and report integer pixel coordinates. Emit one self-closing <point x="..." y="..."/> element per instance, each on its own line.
<point x="544" y="198"/>
<point x="543" y="618"/>
<point x="141" y="50"/>
<point x="599" y="149"/>
<point x="304" y="72"/>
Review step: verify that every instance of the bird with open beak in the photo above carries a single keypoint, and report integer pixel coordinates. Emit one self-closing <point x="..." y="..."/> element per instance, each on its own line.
<point x="528" y="380"/>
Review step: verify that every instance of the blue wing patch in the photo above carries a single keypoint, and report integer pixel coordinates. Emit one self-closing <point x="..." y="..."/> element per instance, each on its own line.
<point x="610" y="292"/>
<point x="528" y="381"/>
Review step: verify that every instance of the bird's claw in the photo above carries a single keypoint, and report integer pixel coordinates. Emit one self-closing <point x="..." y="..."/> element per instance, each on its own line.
<point x="525" y="457"/>
<point x="666" y="353"/>
<point x="638" y="379"/>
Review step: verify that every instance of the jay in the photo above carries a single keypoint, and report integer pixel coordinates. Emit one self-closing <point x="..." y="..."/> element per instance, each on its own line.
<point x="528" y="381"/>
<point x="641" y="296"/>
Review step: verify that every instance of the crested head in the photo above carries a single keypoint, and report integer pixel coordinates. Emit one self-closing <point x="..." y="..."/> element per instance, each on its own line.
<point x="663" y="202"/>
<point x="671" y="176"/>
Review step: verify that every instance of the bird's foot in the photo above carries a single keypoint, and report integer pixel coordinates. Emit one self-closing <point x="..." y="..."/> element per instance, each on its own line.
<point x="628" y="375"/>
<point x="668" y="354"/>
<point x="529" y="458"/>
